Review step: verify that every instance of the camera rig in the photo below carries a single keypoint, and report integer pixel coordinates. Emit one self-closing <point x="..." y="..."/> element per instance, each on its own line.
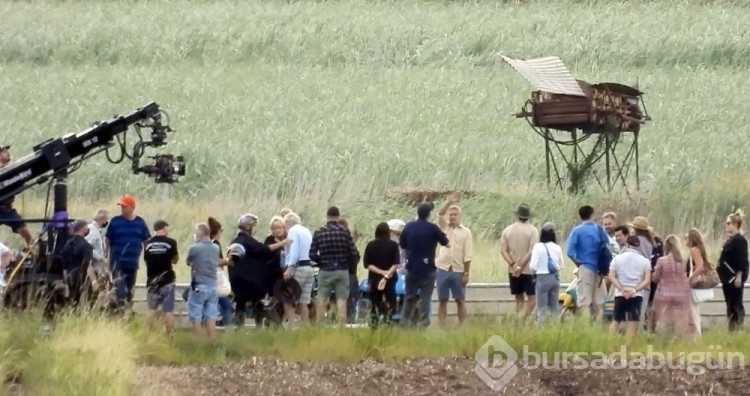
<point x="53" y="161"/>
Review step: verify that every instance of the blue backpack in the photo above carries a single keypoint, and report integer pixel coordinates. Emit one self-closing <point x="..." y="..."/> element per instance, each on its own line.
<point x="605" y="253"/>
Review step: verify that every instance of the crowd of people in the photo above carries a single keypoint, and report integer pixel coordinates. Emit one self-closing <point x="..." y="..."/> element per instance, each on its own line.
<point x="652" y="283"/>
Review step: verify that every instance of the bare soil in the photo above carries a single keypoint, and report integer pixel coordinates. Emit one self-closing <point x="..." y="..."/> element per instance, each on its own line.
<point x="426" y="377"/>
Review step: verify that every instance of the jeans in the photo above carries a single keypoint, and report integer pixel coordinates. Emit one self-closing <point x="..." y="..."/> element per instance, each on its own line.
<point x="383" y="302"/>
<point x="418" y="286"/>
<point x="124" y="284"/>
<point x="547" y="293"/>
<point x="351" y="302"/>
<point x="226" y="311"/>
<point x="735" y="308"/>
<point x="202" y="303"/>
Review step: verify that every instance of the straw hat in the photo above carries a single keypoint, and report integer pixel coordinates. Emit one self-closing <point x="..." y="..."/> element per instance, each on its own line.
<point x="640" y="223"/>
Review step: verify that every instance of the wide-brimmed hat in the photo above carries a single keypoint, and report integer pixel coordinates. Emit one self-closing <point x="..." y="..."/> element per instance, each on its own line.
<point x="640" y="223"/>
<point x="523" y="212"/>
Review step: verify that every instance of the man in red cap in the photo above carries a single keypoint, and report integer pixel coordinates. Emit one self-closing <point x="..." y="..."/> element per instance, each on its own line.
<point x="8" y="215"/>
<point x="126" y="236"/>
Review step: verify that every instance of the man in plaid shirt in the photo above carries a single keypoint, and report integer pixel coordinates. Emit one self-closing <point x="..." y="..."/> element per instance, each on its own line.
<point x="334" y="250"/>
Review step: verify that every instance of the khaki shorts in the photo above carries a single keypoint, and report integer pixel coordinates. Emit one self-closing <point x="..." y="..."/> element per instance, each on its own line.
<point x="591" y="289"/>
<point x="305" y="276"/>
<point x="333" y="282"/>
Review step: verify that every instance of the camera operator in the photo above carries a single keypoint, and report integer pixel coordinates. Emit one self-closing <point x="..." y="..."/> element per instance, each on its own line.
<point x="77" y="255"/>
<point x="8" y="215"/>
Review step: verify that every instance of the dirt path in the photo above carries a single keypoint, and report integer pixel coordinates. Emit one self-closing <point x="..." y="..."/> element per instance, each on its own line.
<point x="431" y="377"/>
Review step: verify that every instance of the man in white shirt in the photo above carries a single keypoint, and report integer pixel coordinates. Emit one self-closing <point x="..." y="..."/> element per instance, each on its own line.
<point x="630" y="274"/>
<point x="298" y="264"/>
<point x="6" y="255"/>
<point x="95" y="236"/>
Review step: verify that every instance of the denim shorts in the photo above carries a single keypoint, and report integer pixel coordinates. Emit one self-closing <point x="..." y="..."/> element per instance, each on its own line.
<point x="161" y="297"/>
<point x="448" y="283"/>
<point x="203" y="303"/>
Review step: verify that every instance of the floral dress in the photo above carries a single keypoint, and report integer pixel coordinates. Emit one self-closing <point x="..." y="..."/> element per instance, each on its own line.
<point x="671" y="309"/>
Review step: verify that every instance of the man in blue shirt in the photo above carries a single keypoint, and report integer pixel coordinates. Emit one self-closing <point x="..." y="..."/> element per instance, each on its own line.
<point x="584" y="243"/>
<point x="126" y="236"/>
<point x="419" y="239"/>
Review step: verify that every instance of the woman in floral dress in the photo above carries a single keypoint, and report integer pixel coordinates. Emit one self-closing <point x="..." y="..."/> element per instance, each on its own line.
<point x="671" y="311"/>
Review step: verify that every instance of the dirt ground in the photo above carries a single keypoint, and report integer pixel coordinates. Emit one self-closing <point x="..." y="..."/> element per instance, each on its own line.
<point x="427" y="377"/>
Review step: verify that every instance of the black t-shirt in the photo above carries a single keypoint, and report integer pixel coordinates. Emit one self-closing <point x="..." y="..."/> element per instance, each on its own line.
<point x="159" y="255"/>
<point x="383" y="254"/>
<point x="77" y="253"/>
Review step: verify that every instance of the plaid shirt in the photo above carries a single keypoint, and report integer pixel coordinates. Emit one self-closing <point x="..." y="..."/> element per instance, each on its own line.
<point x="333" y="247"/>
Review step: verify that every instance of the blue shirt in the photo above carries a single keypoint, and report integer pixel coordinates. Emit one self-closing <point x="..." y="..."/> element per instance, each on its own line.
<point x="126" y="239"/>
<point x="584" y="243"/>
<point x="420" y="239"/>
<point x="299" y="250"/>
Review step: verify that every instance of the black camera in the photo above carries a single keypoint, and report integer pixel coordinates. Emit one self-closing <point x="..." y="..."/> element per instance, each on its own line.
<point x="166" y="168"/>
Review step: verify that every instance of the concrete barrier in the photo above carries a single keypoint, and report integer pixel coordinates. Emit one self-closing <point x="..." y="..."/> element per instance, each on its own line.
<point x="481" y="299"/>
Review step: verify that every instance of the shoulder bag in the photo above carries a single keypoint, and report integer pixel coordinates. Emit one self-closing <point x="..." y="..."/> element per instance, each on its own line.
<point x="551" y="268"/>
<point x="700" y="295"/>
<point x="223" y="288"/>
<point x="708" y="280"/>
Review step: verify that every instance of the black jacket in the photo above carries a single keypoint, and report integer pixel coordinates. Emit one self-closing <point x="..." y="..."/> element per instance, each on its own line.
<point x="734" y="258"/>
<point x="248" y="276"/>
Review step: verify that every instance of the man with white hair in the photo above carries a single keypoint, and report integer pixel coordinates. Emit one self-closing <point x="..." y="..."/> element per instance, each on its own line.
<point x="95" y="238"/>
<point x="298" y="264"/>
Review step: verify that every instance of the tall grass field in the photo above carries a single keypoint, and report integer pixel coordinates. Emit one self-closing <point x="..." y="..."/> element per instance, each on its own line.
<point x="308" y="104"/>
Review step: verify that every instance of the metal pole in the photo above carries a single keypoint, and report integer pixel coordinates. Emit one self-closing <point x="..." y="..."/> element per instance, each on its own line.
<point x="547" y="152"/>
<point x="637" y="165"/>
<point x="60" y="226"/>
<point x="606" y="159"/>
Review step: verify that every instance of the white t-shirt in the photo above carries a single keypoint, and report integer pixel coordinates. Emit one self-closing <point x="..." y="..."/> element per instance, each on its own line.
<point x="630" y="268"/>
<point x="538" y="262"/>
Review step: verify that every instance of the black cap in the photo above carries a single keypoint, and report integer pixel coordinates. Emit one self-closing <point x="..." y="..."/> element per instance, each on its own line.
<point x="78" y="225"/>
<point x="634" y="241"/>
<point x="160" y="225"/>
<point x="333" y="212"/>
<point x="424" y="210"/>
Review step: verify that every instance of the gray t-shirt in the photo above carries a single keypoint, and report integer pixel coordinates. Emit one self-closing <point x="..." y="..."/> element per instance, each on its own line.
<point x="203" y="258"/>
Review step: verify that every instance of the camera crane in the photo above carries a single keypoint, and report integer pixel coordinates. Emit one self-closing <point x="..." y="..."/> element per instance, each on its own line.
<point x="53" y="161"/>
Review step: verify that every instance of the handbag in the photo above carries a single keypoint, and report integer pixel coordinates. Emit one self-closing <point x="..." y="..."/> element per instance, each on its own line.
<point x="707" y="280"/>
<point x="550" y="263"/>
<point x="223" y="288"/>
<point x="702" y="295"/>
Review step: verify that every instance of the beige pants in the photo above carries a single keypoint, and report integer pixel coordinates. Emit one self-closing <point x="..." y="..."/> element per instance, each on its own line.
<point x="695" y="316"/>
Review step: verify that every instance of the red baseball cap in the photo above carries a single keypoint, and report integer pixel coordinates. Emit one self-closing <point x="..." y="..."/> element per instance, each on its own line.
<point x="127" y="201"/>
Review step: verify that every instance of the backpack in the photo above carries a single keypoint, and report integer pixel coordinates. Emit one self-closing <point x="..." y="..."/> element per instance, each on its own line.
<point x="605" y="253"/>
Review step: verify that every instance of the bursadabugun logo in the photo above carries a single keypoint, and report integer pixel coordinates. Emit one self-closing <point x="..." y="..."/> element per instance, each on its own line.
<point x="496" y="363"/>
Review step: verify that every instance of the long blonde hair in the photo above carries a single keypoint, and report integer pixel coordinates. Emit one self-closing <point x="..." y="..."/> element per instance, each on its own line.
<point x="672" y="246"/>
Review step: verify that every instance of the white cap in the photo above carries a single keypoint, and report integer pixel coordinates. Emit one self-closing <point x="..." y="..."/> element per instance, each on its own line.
<point x="396" y="224"/>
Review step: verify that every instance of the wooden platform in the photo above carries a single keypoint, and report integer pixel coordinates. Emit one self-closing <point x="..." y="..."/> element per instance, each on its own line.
<point x="481" y="299"/>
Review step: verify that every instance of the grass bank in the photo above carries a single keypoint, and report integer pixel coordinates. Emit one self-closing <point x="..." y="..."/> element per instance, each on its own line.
<point x="85" y="356"/>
